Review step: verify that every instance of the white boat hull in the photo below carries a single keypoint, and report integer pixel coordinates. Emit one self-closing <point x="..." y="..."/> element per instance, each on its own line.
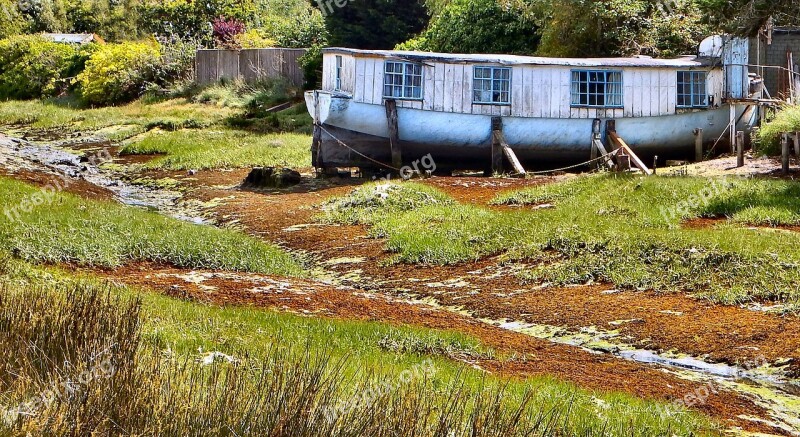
<point x="464" y="140"/>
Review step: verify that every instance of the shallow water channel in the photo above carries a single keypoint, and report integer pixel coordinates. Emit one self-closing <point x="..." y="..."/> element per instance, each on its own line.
<point x="95" y="166"/>
<point x="765" y="385"/>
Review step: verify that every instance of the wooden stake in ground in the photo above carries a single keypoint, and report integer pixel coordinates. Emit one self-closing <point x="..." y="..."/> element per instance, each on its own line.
<point x="785" y="154"/>
<point x="797" y="146"/>
<point x="698" y="145"/>
<point x="740" y="149"/>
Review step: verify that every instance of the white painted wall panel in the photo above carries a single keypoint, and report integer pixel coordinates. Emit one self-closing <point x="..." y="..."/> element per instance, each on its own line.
<point x="369" y="81"/>
<point x="358" y="93"/>
<point x="664" y="77"/>
<point x="458" y="88"/>
<point x="378" y="74"/>
<point x="466" y="92"/>
<point x="438" y="98"/>
<point x="655" y="93"/>
<point x="564" y="78"/>
<point x="449" y="80"/>
<point x="429" y="90"/>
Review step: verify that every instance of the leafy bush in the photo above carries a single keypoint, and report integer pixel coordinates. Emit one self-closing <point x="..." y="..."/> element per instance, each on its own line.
<point x="177" y="60"/>
<point x="119" y="72"/>
<point x="32" y="67"/>
<point x="768" y="138"/>
<point x="225" y="32"/>
<point x="480" y="26"/>
<point x="311" y="63"/>
<point x="252" y="39"/>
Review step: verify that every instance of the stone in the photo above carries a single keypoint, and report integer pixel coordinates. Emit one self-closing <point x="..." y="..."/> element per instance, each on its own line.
<point x="272" y="177"/>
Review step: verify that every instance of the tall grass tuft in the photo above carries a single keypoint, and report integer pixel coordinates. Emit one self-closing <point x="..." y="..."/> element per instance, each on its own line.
<point x="50" y="339"/>
<point x="769" y="135"/>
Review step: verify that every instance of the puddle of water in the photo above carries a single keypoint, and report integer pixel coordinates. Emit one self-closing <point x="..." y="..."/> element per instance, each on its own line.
<point x="688" y="363"/>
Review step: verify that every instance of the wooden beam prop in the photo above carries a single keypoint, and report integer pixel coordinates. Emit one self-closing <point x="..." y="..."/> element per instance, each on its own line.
<point x="512" y="158"/>
<point x="394" y="133"/>
<point x="634" y="159"/>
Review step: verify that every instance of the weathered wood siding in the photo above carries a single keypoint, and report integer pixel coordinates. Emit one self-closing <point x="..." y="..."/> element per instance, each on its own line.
<point x="249" y="65"/>
<point x="536" y="91"/>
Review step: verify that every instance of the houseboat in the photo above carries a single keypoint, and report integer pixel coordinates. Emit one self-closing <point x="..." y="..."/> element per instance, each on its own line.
<point x="447" y="105"/>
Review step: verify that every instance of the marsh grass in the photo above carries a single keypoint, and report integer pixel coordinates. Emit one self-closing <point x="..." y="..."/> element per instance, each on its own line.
<point x="337" y="381"/>
<point x="223" y="148"/>
<point x="218" y="128"/>
<point x="621" y="229"/>
<point x="68" y="229"/>
<point x="49" y="115"/>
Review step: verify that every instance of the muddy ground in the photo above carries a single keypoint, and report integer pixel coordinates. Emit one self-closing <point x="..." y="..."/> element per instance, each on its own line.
<point x="477" y="298"/>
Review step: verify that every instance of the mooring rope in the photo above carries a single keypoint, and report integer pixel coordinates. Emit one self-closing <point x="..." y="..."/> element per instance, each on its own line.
<point x="356" y="151"/>
<point x="587" y="163"/>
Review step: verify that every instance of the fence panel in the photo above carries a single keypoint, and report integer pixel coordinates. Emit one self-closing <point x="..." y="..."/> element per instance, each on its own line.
<point x="249" y="65"/>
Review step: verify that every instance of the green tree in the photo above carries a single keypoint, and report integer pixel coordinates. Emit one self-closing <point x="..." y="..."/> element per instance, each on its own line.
<point x="480" y="26"/>
<point x="586" y="28"/>
<point x="373" y="24"/>
<point x="745" y="17"/>
<point x="12" y="21"/>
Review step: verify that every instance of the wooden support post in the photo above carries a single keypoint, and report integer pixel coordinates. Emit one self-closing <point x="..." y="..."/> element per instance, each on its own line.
<point x="797" y="146"/>
<point x="623" y="161"/>
<point x="497" y="147"/>
<point x="394" y="133"/>
<point x="595" y="138"/>
<point x="698" y="145"/>
<point x="316" y="148"/>
<point x="316" y="142"/>
<point x="785" y="154"/>
<point x="732" y="127"/>
<point x="740" y="149"/>
<point x="598" y="149"/>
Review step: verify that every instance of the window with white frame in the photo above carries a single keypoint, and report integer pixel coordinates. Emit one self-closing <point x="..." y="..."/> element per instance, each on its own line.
<point x="597" y="88"/>
<point x="491" y="85"/>
<point x="402" y="80"/>
<point x="692" y="89"/>
<point x="339" y="63"/>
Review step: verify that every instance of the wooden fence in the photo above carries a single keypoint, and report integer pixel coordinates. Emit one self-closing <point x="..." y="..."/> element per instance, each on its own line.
<point x="248" y="65"/>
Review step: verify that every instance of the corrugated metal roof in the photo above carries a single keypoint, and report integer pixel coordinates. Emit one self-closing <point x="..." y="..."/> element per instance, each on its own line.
<point x="642" y="61"/>
<point x="70" y="38"/>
